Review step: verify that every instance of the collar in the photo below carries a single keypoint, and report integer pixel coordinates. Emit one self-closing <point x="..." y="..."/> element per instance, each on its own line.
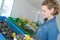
<point x="51" y="20"/>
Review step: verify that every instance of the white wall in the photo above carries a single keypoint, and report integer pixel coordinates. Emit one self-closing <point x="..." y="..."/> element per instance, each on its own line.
<point x="58" y="22"/>
<point x="23" y="9"/>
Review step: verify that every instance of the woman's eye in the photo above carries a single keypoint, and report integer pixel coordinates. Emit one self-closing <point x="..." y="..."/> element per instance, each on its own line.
<point x="43" y="11"/>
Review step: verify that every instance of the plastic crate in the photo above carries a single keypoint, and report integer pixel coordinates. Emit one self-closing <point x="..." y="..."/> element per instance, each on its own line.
<point x="12" y="26"/>
<point x="2" y="37"/>
<point x="16" y="20"/>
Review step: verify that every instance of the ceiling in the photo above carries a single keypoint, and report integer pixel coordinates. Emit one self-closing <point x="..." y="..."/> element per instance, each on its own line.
<point x="36" y="3"/>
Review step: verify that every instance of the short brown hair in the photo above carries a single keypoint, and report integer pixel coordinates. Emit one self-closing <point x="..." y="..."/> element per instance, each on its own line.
<point x="52" y="4"/>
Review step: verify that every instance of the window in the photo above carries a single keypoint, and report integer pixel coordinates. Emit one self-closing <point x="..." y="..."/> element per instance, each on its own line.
<point x="6" y="7"/>
<point x="0" y="3"/>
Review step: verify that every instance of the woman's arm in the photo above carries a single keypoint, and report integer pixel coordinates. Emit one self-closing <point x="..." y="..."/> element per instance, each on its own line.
<point x="52" y="33"/>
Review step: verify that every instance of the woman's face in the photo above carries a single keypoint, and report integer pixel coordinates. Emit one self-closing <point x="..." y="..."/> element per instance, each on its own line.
<point x="46" y="13"/>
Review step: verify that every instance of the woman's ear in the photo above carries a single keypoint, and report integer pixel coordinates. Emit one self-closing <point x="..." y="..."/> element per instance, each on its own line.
<point x="52" y="10"/>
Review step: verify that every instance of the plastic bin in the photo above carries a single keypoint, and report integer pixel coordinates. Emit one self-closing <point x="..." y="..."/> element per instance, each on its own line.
<point x="12" y="26"/>
<point x="15" y="20"/>
<point x="2" y="37"/>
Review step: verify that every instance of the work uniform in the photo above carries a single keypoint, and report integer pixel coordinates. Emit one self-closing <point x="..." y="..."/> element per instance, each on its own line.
<point x="48" y="31"/>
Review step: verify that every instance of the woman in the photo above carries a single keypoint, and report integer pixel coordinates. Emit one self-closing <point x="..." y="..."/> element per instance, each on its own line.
<point x="49" y="30"/>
